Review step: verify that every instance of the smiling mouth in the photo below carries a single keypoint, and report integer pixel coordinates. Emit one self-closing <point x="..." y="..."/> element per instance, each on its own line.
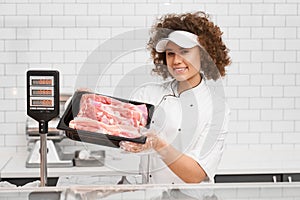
<point x="180" y="70"/>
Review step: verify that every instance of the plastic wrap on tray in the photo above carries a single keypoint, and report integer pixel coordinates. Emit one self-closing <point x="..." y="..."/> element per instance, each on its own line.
<point x="105" y="120"/>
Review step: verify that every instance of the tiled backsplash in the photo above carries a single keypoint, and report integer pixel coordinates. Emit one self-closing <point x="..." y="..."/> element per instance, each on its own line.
<point x="262" y="85"/>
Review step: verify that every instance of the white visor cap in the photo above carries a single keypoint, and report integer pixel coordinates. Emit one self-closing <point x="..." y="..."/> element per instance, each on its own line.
<point x="183" y="39"/>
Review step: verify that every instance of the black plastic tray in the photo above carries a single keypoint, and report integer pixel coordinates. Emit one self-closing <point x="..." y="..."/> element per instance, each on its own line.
<point x="96" y="138"/>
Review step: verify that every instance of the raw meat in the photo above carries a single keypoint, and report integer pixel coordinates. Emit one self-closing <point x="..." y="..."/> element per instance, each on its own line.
<point x="102" y="114"/>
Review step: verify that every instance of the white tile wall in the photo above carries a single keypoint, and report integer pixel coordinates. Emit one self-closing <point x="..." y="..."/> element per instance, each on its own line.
<point x="262" y="84"/>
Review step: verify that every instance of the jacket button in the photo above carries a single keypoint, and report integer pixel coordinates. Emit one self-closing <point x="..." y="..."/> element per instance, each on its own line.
<point x="179" y="129"/>
<point x="191" y="105"/>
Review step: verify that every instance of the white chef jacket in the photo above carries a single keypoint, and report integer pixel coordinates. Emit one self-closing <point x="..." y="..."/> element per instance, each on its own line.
<point x="194" y="122"/>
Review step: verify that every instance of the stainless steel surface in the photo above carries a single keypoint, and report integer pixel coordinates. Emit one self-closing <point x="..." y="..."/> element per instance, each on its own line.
<point x="55" y="156"/>
<point x="85" y="158"/>
<point x="94" y="180"/>
<point x="43" y="156"/>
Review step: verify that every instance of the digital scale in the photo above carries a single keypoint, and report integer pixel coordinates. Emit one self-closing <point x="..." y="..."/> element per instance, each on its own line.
<point x="43" y="105"/>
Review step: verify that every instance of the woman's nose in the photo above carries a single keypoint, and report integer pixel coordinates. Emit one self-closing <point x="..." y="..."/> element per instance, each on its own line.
<point x="177" y="59"/>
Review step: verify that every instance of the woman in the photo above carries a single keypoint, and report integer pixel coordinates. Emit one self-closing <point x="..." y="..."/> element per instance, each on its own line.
<point x="190" y="119"/>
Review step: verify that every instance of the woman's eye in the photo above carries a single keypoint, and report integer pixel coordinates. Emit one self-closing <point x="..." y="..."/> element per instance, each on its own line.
<point x="170" y="53"/>
<point x="184" y="51"/>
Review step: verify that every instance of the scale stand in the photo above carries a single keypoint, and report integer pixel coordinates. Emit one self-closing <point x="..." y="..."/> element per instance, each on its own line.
<point x="43" y="126"/>
<point x="43" y="105"/>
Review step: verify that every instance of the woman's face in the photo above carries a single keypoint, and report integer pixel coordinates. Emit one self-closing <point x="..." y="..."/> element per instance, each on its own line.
<point x="183" y="63"/>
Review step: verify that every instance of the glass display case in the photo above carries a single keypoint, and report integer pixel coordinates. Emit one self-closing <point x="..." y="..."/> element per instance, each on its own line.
<point x="218" y="191"/>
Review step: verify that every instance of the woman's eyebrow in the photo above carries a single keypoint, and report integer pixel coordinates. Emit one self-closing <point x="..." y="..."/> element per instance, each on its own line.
<point x="170" y="49"/>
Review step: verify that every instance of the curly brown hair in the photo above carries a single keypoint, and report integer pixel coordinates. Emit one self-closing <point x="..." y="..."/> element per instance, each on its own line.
<point x="209" y="36"/>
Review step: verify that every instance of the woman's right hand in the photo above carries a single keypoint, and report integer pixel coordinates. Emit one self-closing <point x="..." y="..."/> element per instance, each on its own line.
<point x="153" y="141"/>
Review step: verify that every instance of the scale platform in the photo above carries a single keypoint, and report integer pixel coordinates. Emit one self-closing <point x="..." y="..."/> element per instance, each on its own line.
<point x="54" y="156"/>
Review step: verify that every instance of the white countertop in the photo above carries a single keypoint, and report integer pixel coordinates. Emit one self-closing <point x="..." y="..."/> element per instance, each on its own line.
<point x="259" y="162"/>
<point x="15" y="168"/>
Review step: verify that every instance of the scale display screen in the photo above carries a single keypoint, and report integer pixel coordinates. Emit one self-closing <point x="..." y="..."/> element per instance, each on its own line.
<point x="41" y="91"/>
<point x="42" y="81"/>
<point x="42" y="94"/>
<point x="40" y="103"/>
